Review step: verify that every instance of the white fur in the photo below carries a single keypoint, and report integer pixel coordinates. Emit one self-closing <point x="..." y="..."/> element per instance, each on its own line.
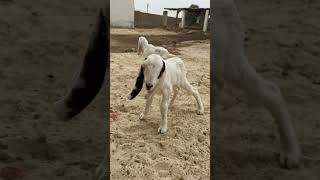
<point x="231" y="65"/>
<point x="145" y="49"/>
<point x="172" y="79"/>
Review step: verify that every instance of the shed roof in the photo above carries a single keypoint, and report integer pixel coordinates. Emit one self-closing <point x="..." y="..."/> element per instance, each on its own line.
<point x="187" y="9"/>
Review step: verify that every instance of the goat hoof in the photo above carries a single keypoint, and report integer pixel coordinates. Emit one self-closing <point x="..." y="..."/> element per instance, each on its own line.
<point x="289" y="160"/>
<point x="162" y="130"/>
<point x="200" y="112"/>
<point x="141" y="116"/>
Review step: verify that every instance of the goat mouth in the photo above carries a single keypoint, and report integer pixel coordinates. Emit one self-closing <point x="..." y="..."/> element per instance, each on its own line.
<point x="148" y="88"/>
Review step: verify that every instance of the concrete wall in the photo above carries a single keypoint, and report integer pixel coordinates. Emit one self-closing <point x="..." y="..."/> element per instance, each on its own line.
<point x="152" y="20"/>
<point x="122" y="13"/>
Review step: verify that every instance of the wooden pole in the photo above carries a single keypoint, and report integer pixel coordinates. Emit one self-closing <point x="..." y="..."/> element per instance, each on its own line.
<point x="206" y="19"/>
<point x="183" y="19"/>
<point x="177" y="23"/>
<point x="165" y="18"/>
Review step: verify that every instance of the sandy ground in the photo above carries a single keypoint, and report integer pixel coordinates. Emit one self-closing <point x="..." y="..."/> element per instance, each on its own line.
<point x="137" y="150"/>
<point x="42" y="44"/>
<point x="283" y="44"/>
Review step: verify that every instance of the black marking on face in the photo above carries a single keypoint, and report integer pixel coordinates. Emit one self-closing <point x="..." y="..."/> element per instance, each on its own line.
<point x="162" y="69"/>
<point x="138" y="85"/>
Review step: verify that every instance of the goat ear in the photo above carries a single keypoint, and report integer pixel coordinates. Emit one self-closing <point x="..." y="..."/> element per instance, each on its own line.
<point x="138" y="85"/>
<point x="162" y="69"/>
<point x="139" y="49"/>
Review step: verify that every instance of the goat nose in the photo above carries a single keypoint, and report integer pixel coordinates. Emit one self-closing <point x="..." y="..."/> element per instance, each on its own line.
<point x="149" y="86"/>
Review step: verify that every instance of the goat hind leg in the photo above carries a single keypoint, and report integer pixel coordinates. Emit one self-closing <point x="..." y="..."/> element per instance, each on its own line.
<point x="187" y="86"/>
<point x="273" y="100"/>
<point x="270" y="95"/>
<point x="218" y="86"/>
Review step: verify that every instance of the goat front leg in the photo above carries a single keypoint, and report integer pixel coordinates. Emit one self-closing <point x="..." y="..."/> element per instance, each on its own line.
<point x="164" y="111"/>
<point x="147" y="107"/>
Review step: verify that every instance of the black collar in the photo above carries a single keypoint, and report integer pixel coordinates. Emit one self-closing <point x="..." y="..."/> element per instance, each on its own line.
<point x="162" y="70"/>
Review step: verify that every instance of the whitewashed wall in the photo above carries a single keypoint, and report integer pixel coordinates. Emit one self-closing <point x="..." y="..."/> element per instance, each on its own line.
<point x="122" y="13"/>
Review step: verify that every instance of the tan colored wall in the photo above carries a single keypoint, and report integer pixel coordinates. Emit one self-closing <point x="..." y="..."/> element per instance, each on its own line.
<point x="152" y="20"/>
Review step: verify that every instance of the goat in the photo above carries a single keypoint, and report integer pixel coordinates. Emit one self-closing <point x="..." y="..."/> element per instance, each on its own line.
<point x="163" y="77"/>
<point x="145" y="49"/>
<point x="232" y="66"/>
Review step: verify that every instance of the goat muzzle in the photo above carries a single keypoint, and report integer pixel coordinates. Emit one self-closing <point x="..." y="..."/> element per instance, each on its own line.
<point x="149" y="86"/>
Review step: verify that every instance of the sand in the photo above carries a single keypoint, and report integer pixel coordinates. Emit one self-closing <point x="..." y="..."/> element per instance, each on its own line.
<point x="283" y="45"/>
<point x="137" y="150"/>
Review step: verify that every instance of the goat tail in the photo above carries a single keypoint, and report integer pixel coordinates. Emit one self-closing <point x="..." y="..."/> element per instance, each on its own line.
<point x="142" y="43"/>
<point x="138" y="85"/>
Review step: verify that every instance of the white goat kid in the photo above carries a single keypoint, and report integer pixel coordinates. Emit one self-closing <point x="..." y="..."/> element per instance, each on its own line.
<point x="146" y="49"/>
<point x="163" y="77"/>
<point x="232" y="66"/>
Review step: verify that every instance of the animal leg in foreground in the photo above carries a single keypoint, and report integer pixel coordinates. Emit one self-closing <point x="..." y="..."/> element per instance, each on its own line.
<point x="89" y="81"/>
<point x="232" y="66"/>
